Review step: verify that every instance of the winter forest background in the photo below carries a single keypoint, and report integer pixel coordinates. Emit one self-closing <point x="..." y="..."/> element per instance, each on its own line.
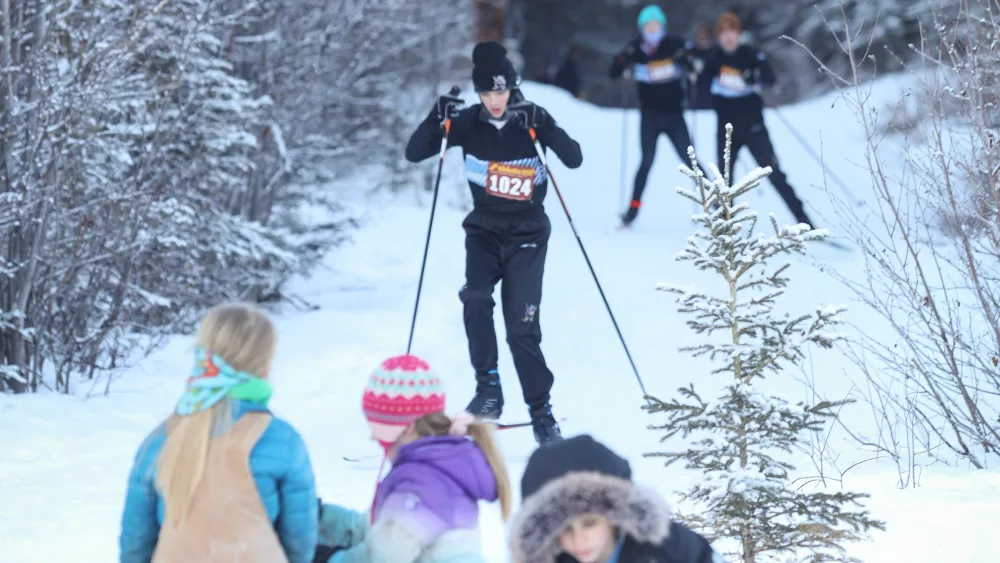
<point x="159" y="157"/>
<point x="601" y="27"/>
<point x="162" y="156"/>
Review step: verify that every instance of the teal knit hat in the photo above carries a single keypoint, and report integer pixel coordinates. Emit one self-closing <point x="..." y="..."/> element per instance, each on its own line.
<point x="652" y="13"/>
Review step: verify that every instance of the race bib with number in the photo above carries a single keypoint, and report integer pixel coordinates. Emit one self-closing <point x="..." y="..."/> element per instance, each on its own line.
<point x="732" y="79"/>
<point x="510" y="181"/>
<point x="661" y="71"/>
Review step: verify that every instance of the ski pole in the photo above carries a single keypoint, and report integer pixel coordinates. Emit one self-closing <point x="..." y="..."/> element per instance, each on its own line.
<point x="805" y="144"/>
<point x="548" y="172"/>
<point x="624" y="162"/>
<point x="455" y="90"/>
<point x="624" y="200"/>
<point x="689" y="94"/>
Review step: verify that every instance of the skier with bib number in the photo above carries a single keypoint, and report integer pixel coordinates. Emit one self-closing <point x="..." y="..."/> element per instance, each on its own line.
<point x="660" y="65"/>
<point x="737" y="72"/>
<point x="507" y="232"/>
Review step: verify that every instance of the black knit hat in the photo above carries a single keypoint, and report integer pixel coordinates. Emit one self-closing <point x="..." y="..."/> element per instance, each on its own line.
<point x="492" y="71"/>
<point x="579" y="453"/>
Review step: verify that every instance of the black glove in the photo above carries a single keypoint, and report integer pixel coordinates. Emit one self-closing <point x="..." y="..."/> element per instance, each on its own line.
<point x="529" y="115"/>
<point x="751" y="76"/>
<point x="625" y="57"/>
<point x="448" y="105"/>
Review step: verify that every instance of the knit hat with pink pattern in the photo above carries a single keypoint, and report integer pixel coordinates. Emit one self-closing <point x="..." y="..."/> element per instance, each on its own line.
<point x="401" y="390"/>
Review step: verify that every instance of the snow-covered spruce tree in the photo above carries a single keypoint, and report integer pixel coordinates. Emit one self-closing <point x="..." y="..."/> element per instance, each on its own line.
<point x="132" y="194"/>
<point x="738" y="441"/>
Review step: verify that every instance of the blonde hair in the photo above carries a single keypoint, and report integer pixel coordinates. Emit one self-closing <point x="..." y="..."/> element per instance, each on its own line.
<point x="439" y="424"/>
<point x="245" y="337"/>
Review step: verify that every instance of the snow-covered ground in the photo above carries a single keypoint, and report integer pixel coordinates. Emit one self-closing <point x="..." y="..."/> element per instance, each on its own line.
<point x="64" y="459"/>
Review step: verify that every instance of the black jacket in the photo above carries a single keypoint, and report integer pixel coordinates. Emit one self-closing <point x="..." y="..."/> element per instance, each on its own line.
<point x="660" y="76"/>
<point x="579" y="476"/>
<point x="736" y="78"/>
<point x="505" y="175"/>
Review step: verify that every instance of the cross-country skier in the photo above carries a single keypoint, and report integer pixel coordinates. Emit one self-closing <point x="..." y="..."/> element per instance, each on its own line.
<point x="659" y="65"/>
<point x="507" y="232"/>
<point x="699" y="51"/>
<point x="738" y="71"/>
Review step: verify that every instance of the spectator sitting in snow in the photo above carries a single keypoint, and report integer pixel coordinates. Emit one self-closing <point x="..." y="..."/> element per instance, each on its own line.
<point x="190" y="497"/>
<point x="580" y="505"/>
<point x="426" y="509"/>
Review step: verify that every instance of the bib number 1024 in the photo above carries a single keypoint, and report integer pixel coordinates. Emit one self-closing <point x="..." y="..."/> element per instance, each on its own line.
<point x="510" y="182"/>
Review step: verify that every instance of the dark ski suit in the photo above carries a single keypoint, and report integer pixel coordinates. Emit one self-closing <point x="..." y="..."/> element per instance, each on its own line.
<point x="735" y="79"/>
<point x="661" y="77"/>
<point x="507" y="233"/>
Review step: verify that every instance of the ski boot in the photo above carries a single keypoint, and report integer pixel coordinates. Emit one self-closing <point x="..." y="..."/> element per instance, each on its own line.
<point x="488" y="402"/>
<point x="629" y="216"/>
<point x="544" y="424"/>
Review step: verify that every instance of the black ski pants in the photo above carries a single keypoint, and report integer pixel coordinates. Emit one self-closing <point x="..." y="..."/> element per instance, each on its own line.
<point x="754" y="136"/>
<point x="511" y="249"/>
<point x="651" y="125"/>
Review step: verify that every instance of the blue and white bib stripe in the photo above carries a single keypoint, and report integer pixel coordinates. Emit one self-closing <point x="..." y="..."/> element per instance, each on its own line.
<point x="475" y="169"/>
<point x="657" y="73"/>
<point x="732" y="85"/>
<point x="737" y="88"/>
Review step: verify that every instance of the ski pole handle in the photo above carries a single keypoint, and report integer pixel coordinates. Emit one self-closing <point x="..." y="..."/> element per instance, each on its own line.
<point x="454" y="92"/>
<point x="444" y="138"/>
<point x="538" y="147"/>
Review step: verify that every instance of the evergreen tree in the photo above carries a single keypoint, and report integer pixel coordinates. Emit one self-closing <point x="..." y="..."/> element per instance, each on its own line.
<point x="739" y="440"/>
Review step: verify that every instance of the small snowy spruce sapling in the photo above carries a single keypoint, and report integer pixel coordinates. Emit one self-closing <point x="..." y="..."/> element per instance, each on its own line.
<point x="738" y="440"/>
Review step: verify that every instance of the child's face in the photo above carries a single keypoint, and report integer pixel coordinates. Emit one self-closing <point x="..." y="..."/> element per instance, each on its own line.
<point x="495" y="102"/>
<point x="729" y="39"/>
<point x="652" y="28"/>
<point x="588" y="539"/>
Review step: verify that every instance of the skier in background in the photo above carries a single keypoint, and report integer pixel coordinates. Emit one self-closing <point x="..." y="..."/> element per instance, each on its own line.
<point x="737" y="72"/>
<point x="659" y="65"/>
<point x="567" y="74"/>
<point x="699" y="51"/>
<point x="507" y="232"/>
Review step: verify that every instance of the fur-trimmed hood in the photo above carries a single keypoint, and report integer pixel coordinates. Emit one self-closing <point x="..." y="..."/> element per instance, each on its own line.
<point x="640" y="512"/>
